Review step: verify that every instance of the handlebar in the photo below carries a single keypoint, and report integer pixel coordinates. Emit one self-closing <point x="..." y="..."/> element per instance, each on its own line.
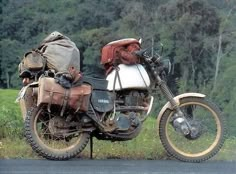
<point x="154" y="61"/>
<point x="150" y="59"/>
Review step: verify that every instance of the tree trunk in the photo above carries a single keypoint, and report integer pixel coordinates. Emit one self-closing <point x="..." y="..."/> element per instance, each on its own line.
<point x="219" y="52"/>
<point x="219" y="55"/>
<point x="8" y="80"/>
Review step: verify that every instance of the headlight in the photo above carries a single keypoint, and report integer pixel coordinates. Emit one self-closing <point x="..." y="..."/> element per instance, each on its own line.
<point x="166" y="66"/>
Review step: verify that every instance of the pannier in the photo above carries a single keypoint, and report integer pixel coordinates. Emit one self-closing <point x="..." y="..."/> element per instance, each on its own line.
<point x="120" y="52"/>
<point x="52" y="93"/>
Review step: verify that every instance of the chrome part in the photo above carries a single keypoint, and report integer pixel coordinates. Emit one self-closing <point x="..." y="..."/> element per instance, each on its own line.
<point x="140" y="41"/>
<point x="177" y="99"/>
<point x="196" y="130"/>
<point x="150" y="105"/>
<point x="180" y="125"/>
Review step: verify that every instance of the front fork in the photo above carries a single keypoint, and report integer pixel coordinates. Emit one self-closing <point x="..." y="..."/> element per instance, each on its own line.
<point x="178" y="120"/>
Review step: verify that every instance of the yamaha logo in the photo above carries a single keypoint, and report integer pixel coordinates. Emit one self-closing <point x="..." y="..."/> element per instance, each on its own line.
<point x="103" y="101"/>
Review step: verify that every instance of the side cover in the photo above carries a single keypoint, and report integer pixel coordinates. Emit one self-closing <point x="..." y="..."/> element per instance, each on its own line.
<point x="131" y="77"/>
<point x="102" y="101"/>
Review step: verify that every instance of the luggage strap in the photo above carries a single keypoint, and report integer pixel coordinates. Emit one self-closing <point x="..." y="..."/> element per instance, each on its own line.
<point x="80" y="102"/>
<point x="65" y="101"/>
<point x="50" y="103"/>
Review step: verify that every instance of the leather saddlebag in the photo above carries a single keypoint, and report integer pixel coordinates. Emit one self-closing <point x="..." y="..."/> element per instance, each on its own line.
<point x="52" y="93"/>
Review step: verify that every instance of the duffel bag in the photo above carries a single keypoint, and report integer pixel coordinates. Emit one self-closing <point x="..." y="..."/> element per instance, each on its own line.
<point x="52" y="93"/>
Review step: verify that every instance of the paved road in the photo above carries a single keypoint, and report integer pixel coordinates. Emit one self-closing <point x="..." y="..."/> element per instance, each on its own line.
<point x="115" y="167"/>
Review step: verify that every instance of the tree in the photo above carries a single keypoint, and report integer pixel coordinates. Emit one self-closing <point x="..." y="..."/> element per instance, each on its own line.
<point x="225" y="90"/>
<point x="10" y="52"/>
<point x="225" y="40"/>
<point x="186" y="27"/>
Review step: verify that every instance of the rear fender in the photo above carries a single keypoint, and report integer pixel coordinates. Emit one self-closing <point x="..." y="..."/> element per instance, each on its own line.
<point x="177" y="100"/>
<point x="26" y="98"/>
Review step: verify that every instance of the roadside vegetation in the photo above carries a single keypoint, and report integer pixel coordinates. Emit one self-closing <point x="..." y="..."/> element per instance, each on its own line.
<point x="146" y="146"/>
<point x="198" y="36"/>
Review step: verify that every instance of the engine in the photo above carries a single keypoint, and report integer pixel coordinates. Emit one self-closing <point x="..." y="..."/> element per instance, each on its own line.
<point x="134" y="98"/>
<point x="122" y="111"/>
<point x="124" y="122"/>
<point x="130" y="105"/>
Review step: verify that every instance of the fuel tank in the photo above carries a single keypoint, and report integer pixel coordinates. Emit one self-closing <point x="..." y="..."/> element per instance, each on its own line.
<point x="131" y="77"/>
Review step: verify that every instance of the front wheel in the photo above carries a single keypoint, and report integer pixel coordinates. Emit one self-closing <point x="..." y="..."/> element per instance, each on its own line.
<point x="207" y="131"/>
<point x="50" y="136"/>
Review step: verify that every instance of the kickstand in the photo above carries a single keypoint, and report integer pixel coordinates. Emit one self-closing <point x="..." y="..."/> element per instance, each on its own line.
<point x="91" y="147"/>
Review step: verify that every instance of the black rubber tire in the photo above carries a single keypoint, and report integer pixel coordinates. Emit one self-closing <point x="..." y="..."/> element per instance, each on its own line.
<point x="173" y="152"/>
<point x="42" y="149"/>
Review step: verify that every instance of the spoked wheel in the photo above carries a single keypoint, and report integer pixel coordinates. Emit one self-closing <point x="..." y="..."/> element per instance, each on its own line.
<point x="51" y="136"/>
<point x="206" y="135"/>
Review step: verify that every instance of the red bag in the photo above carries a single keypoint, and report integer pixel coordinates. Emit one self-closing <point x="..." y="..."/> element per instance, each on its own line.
<point x="120" y="52"/>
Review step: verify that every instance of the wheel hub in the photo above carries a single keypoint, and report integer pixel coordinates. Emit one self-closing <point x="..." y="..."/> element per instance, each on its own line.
<point x="195" y="130"/>
<point x="58" y="127"/>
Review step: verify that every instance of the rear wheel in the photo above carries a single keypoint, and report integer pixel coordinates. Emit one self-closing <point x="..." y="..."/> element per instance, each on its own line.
<point x="207" y="131"/>
<point x="49" y="135"/>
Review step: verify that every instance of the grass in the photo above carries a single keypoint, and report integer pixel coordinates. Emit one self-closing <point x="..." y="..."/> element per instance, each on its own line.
<point x="146" y="146"/>
<point x="11" y="123"/>
<point x="228" y="152"/>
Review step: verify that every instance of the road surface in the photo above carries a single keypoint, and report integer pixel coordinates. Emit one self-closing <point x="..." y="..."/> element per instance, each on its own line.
<point x="111" y="166"/>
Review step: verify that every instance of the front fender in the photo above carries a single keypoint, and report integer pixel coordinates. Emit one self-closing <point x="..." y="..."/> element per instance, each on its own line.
<point x="177" y="99"/>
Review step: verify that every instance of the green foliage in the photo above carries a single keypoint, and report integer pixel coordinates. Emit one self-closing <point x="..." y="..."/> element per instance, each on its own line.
<point x="11" y="123"/>
<point x="9" y="61"/>
<point x="189" y="24"/>
<point x="189" y="30"/>
<point x="225" y="92"/>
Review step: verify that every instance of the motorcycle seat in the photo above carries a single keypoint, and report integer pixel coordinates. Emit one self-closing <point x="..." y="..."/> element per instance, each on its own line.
<point x="96" y="83"/>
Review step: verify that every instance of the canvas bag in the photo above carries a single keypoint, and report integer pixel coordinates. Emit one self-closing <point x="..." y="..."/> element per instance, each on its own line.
<point x="60" y="52"/>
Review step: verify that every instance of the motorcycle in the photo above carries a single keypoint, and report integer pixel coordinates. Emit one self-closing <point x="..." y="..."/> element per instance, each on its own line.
<point x="190" y="127"/>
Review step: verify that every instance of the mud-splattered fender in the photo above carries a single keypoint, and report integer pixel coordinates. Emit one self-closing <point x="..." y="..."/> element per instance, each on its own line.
<point x="177" y="99"/>
<point x="25" y="97"/>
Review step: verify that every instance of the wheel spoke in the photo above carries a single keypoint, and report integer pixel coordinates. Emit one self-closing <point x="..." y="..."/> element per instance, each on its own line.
<point x="193" y="114"/>
<point x="206" y="131"/>
<point x="51" y="134"/>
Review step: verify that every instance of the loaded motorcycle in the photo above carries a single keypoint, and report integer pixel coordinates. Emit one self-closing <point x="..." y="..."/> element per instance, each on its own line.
<point x="190" y="127"/>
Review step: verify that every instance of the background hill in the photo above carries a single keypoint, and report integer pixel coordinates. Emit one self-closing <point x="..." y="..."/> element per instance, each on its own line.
<point x="199" y="38"/>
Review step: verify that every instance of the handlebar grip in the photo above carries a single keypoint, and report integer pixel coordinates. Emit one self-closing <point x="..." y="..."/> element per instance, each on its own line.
<point x="140" y="53"/>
